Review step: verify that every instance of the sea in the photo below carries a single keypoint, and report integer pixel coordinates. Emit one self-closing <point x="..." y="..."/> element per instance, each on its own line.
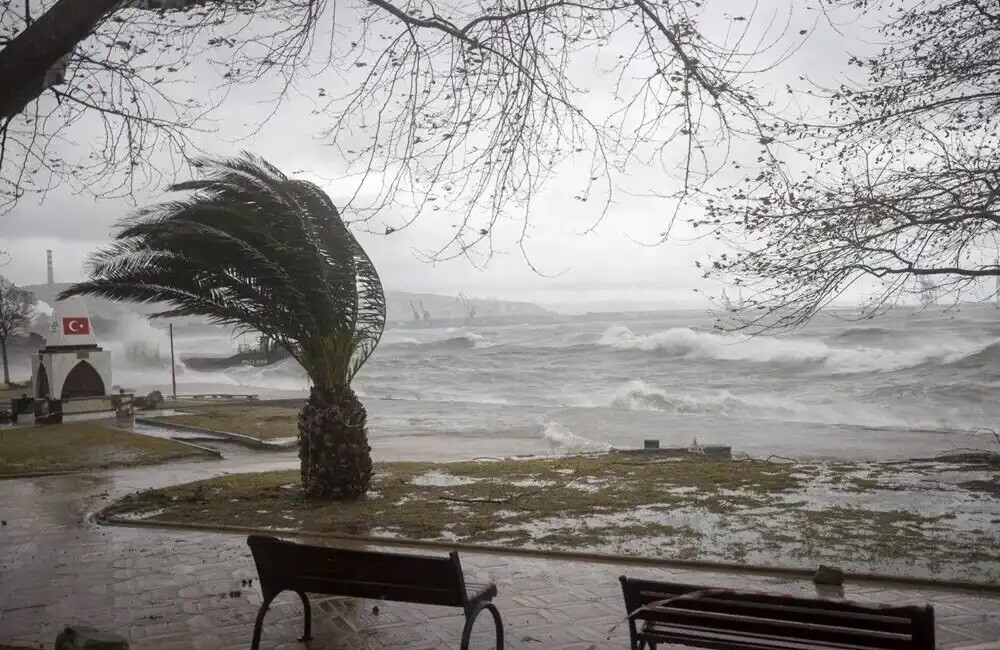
<point x="911" y="383"/>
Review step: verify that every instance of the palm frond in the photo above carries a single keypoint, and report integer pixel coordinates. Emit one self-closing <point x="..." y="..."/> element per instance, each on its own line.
<point x="251" y="248"/>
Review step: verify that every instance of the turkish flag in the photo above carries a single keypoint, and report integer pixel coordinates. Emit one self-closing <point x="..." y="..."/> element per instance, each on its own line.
<point x="76" y="325"/>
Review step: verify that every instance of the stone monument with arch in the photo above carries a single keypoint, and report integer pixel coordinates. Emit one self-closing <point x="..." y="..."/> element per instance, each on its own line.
<point x="71" y="365"/>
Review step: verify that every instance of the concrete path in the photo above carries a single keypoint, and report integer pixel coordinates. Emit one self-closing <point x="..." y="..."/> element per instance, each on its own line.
<point x="167" y="590"/>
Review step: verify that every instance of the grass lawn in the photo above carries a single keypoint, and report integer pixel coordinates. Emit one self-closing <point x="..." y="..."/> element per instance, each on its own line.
<point x="82" y="445"/>
<point x="262" y="421"/>
<point x="857" y="516"/>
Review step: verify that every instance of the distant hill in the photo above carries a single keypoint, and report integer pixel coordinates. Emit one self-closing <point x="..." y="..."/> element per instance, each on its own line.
<point x="398" y="306"/>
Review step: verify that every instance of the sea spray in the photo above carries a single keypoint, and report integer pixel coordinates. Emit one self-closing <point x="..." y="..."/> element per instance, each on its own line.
<point x="137" y="344"/>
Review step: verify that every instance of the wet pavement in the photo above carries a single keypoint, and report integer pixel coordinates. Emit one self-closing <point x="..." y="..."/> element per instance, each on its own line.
<point x="175" y="589"/>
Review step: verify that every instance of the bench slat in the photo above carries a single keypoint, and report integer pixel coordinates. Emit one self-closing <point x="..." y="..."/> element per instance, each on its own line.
<point x="737" y="640"/>
<point x="379" y="591"/>
<point x="650" y="590"/>
<point x="777" y="628"/>
<point x="882" y="622"/>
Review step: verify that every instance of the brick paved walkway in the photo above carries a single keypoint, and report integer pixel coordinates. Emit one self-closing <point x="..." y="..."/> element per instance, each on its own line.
<point x="167" y="590"/>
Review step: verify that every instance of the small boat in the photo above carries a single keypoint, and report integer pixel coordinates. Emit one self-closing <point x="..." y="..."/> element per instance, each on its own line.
<point x="265" y="353"/>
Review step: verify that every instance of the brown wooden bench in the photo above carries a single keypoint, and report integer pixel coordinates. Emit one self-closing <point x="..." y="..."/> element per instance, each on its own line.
<point x="726" y="619"/>
<point x="287" y="566"/>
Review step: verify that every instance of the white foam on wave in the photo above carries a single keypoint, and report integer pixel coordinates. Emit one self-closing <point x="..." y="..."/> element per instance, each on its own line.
<point x="637" y="395"/>
<point x="692" y="344"/>
<point x="560" y="437"/>
<point x="451" y="335"/>
<point x="403" y="340"/>
<point x="477" y="340"/>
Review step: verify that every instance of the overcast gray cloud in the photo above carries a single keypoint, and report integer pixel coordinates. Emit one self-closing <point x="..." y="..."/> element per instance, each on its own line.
<point x="606" y="264"/>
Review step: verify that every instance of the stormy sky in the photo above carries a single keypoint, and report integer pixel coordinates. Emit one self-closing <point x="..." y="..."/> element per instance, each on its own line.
<point x="609" y="267"/>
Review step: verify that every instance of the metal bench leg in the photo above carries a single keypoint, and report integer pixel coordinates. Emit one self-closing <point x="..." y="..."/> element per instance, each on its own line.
<point x="259" y="623"/>
<point x="470" y="620"/>
<point x="307" y="636"/>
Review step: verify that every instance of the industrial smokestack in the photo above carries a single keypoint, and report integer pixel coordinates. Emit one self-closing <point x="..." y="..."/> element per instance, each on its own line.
<point x="48" y="255"/>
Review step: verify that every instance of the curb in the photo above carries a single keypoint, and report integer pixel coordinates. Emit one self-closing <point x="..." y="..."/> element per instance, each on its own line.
<point x="68" y="472"/>
<point x="239" y="438"/>
<point x="564" y="556"/>
<point x="214" y="453"/>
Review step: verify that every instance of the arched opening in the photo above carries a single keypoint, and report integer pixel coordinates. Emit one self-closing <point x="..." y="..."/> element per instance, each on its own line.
<point x="41" y="382"/>
<point x="83" y="381"/>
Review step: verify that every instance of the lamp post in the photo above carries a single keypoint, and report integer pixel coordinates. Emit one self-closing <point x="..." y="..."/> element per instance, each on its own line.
<point x="173" y="369"/>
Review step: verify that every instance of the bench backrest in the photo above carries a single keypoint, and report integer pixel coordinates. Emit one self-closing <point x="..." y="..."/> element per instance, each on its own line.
<point x="285" y="565"/>
<point x="714" y="617"/>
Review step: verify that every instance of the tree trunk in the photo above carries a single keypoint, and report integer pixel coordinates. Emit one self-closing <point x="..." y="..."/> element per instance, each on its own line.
<point x="28" y="57"/>
<point x="3" y="352"/>
<point x="335" y="456"/>
<point x="45" y="44"/>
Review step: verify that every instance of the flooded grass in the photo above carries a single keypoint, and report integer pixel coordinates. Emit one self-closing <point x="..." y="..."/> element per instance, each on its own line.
<point x="862" y="517"/>
<point x="261" y="421"/>
<point x="82" y="445"/>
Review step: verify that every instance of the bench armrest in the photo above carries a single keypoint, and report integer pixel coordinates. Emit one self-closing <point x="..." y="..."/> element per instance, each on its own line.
<point x="470" y="619"/>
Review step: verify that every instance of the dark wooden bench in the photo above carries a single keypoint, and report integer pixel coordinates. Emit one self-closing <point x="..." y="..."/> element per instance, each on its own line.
<point x="287" y="566"/>
<point x="726" y="619"/>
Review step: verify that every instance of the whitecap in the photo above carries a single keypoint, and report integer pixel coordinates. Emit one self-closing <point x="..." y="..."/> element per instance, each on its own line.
<point x="687" y="343"/>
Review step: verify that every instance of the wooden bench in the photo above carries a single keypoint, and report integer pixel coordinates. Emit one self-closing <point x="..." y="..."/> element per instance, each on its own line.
<point x="287" y="566"/>
<point x="726" y="619"/>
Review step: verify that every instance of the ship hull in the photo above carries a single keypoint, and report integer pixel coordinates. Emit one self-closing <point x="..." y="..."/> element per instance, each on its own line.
<point x="253" y="359"/>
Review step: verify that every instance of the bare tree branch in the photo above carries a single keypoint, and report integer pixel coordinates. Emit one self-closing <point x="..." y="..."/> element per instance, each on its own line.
<point x="901" y="182"/>
<point x="468" y="107"/>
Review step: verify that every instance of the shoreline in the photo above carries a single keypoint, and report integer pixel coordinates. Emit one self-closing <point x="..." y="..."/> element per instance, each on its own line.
<point x="464" y="429"/>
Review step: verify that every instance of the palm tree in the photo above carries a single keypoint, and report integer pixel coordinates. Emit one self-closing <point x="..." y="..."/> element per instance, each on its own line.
<point x="251" y="248"/>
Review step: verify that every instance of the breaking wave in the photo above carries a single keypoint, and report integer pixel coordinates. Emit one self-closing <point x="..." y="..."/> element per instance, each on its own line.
<point x="637" y="395"/>
<point x="687" y="343"/>
<point x="456" y="340"/>
<point x="560" y="437"/>
<point x="987" y="357"/>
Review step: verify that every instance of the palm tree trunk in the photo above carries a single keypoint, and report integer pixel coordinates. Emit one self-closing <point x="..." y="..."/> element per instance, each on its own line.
<point x="335" y="456"/>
